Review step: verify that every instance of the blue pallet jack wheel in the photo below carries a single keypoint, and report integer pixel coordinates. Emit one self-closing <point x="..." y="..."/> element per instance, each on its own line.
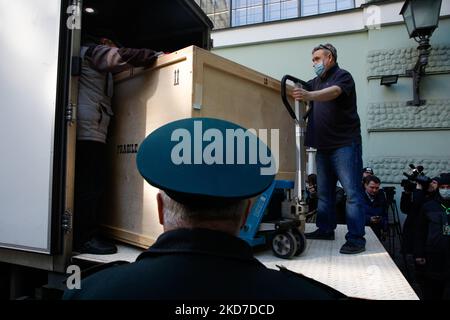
<point x="301" y="241"/>
<point x="284" y="244"/>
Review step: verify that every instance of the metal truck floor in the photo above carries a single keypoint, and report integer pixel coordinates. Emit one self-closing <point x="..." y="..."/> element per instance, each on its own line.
<point x="369" y="275"/>
<point x="124" y="253"/>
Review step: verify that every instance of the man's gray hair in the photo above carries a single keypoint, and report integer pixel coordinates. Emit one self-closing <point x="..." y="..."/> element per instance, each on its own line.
<point x="176" y="214"/>
<point x="327" y="47"/>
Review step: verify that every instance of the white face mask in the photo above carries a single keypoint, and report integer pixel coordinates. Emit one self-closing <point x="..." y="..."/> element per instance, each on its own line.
<point x="445" y="193"/>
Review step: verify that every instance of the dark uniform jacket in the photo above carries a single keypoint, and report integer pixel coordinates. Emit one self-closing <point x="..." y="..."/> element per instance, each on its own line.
<point x="199" y="264"/>
<point x="430" y="241"/>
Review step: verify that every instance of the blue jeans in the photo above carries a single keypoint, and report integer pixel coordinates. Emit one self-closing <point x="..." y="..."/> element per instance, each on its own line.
<point x="343" y="164"/>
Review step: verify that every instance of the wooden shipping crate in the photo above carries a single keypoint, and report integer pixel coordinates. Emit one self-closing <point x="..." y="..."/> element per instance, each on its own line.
<point x="191" y="82"/>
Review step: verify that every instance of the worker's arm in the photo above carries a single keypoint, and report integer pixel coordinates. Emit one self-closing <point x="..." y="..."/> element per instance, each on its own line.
<point x="111" y="59"/>
<point x="139" y="57"/>
<point x="326" y="94"/>
<point x="341" y="83"/>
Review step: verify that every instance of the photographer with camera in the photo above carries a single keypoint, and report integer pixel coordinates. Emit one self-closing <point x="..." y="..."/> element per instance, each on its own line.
<point x="432" y="242"/>
<point x="418" y="189"/>
<point x="375" y="206"/>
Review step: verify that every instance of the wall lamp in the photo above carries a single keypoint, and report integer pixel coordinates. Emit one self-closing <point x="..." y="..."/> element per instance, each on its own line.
<point x="421" y="18"/>
<point x="388" y="80"/>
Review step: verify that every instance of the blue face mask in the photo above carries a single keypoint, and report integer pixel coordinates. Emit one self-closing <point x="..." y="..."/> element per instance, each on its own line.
<point x="445" y="193"/>
<point x="319" y="68"/>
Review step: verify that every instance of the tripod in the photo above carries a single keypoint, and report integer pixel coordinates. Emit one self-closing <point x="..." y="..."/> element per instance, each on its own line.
<point x="395" y="229"/>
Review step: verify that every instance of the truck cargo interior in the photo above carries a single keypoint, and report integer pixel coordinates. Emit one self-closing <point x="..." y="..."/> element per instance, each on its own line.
<point x="43" y="249"/>
<point x="161" y="25"/>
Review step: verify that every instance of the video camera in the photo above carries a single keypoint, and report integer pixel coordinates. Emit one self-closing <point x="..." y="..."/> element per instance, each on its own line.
<point x="415" y="176"/>
<point x="390" y="194"/>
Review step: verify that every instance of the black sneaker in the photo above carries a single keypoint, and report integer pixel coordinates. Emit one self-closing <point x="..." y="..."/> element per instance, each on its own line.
<point x="350" y="248"/>
<point x="320" y="235"/>
<point x="98" y="246"/>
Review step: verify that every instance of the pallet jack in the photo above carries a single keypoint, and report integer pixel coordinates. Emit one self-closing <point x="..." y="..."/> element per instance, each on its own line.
<point x="286" y="233"/>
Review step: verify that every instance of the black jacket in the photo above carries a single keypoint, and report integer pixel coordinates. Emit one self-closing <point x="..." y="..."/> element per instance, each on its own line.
<point x="202" y="264"/>
<point x="429" y="229"/>
<point x="410" y="204"/>
<point x="377" y="207"/>
<point x="430" y="242"/>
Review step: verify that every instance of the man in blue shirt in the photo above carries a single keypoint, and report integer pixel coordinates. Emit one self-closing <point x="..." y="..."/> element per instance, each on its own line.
<point x="334" y="130"/>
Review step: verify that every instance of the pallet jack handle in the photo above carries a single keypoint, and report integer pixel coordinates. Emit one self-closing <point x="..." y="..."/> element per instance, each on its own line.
<point x="298" y="83"/>
<point x="299" y="114"/>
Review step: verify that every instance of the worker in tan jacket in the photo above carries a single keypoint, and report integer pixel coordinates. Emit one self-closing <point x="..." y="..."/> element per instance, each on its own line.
<point x="101" y="58"/>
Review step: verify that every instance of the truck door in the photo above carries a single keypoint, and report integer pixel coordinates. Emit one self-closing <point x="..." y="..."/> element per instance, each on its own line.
<point x="36" y="38"/>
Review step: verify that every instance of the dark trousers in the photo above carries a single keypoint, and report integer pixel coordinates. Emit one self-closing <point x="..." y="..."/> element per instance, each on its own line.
<point x="89" y="189"/>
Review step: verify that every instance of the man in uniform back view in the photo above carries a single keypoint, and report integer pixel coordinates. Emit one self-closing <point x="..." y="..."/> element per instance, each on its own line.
<point x="202" y="206"/>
